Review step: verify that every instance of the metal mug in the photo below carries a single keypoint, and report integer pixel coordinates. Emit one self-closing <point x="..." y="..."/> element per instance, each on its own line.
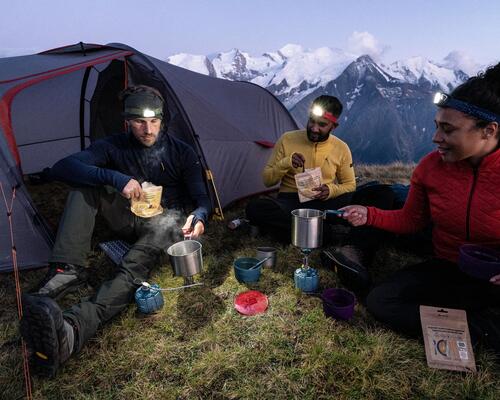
<point x="307" y="228"/>
<point x="264" y="252"/>
<point x="186" y="258"/>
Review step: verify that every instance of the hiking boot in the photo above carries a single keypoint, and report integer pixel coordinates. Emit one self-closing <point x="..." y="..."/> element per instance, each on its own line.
<point x="61" y="278"/>
<point x="484" y="328"/>
<point x="48" y="336"/>
<point x="349" y="264"/>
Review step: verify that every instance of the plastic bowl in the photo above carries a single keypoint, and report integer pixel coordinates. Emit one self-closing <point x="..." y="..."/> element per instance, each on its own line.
<point x="479" y="262"/>
<point x="338" y="303"/>
<point x="243" y="272"/>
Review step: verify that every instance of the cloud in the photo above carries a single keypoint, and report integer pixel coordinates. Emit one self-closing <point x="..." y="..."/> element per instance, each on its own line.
<point x="361" y="43"/>
<point x="460" y="60"/>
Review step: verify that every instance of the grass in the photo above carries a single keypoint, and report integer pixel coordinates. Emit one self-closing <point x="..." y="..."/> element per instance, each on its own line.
<point x="199" y="347"/>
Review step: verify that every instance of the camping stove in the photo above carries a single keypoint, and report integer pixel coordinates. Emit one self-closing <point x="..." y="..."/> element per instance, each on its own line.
<point x="307" y="235"/>
<point x="305" y="277"/>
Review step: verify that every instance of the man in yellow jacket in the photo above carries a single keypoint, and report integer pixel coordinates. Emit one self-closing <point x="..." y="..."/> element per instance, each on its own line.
<point x="296" y="151"/>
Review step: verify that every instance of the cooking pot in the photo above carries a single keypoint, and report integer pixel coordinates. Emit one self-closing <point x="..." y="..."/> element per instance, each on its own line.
<point x="307" y="227"/>
<point x="186" y="258"/>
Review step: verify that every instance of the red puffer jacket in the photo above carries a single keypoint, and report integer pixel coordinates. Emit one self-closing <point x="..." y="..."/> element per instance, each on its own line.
<point x="463" y="204"/>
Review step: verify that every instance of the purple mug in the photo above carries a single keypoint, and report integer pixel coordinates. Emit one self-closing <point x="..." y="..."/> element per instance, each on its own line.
<point x="338" y="303"/>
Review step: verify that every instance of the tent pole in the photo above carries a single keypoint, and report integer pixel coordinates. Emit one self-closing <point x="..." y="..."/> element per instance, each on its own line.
<point x="82" y="107"/>
<point x="218" y="214"/>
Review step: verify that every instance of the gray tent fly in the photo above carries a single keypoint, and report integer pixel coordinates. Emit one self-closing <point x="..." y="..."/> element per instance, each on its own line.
<point x="57" y="102"/>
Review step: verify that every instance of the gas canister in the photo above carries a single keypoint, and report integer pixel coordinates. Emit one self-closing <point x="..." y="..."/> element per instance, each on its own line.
<point x="148" y="298"/>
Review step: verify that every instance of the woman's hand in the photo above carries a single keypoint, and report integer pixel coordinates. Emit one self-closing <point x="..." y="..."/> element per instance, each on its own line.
<point x="495" y="279"/>
<point x="355" y="215"/>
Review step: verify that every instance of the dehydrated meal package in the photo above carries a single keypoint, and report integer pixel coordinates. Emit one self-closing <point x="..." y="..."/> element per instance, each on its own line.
<point x="306" y="181"/>
<point x="447" y="339"/>
<point x="149" y="204"/>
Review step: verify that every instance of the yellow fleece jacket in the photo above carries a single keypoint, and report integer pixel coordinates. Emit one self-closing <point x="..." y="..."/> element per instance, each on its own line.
<point x="333" y="156"/>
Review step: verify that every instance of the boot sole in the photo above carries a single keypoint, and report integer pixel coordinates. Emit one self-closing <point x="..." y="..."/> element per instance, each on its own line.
<point x="339" y="263"/>
<point x="359" y="281"/>
<point x="39" y="329"/>
<point x="67" y="290"/>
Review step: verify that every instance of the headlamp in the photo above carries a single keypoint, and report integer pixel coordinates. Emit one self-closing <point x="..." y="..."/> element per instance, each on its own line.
<point x="143" y="105"/>
<point x="147" y="113"/>
<point x="318" y="111"/>
<point x="445" y="100"/>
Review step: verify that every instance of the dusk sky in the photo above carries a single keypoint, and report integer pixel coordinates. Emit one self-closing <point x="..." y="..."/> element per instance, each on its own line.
<point x="389" y="29"/>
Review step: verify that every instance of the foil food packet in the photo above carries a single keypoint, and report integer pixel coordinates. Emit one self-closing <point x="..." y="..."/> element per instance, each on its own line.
<point x="447" y="339"/>
<point x="306" y="181"/>
<point x="149" y="204"/>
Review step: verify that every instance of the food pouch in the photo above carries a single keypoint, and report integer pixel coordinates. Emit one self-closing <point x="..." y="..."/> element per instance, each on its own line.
<point x="447" y="339"/>
<point x="149" y="203"/>
<point x="306" y="181"/>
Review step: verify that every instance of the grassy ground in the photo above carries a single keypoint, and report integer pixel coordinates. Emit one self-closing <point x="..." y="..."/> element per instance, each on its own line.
<point x="199" y="347"/>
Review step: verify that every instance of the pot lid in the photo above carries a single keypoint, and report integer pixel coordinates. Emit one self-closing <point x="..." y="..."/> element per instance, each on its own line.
<point x="251" y="302"/>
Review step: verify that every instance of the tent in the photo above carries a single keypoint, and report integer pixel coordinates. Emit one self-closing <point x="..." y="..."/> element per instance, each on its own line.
<point x="57" y="102"/>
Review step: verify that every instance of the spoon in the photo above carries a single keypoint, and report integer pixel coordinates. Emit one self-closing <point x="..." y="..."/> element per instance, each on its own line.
<point x="260" y="263"/>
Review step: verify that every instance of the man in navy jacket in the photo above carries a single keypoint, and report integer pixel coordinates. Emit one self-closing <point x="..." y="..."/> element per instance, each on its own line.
<point x="106" y="177"/>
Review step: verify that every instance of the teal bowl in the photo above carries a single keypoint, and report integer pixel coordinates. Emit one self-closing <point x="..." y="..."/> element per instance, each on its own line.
<point x="243" y="272"/>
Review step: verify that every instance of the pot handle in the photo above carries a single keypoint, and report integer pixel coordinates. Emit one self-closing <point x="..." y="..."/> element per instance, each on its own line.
<point x="338" y="213"/>
<point x="137" y="281"/>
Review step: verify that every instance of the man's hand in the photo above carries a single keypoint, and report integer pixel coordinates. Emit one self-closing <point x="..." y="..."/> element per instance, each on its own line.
<point x="132" y="190"/>
<point x="195" y="231"/>
<point x="495" y="280"/>
<point x="356" y="215"/>
<point x="298" y="160"/>
<point x="323" y="192"/>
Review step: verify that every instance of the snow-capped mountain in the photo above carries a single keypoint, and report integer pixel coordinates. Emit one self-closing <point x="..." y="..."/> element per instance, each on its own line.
<point x="292" y="72"/>
<point x="200" y="64"/>
<point x="289" y="73"/>
<point x="420" y="69"/>
<point x="385" y="118"/>
<point x="388" y="113"/>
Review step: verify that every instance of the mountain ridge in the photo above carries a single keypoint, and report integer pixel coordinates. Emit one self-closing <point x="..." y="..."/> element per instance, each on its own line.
<point x="388" y="112"/>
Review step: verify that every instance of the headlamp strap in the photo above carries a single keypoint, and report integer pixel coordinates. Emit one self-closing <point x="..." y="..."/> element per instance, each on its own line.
<point x="445" y="100"/>
<point x="329" y="116"/>
<point x="319" y="111"/>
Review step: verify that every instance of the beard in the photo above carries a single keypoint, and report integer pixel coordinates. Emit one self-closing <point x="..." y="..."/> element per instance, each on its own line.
<point x="316" y="137"/>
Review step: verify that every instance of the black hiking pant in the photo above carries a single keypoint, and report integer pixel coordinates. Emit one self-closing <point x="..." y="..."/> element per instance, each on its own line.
<point x="152" y="237"/>
<point x="273" y="215"/>
<point x="438" y="283"/>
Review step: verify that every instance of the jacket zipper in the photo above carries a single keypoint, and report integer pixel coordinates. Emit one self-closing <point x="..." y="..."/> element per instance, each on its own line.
<point x="467" y="221"/>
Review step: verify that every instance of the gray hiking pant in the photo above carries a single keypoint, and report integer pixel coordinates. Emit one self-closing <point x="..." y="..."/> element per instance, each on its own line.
<point x="153" y="236"/>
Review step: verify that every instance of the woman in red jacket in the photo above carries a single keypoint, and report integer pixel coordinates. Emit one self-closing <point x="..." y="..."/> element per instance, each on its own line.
<point x="456" y="189"/>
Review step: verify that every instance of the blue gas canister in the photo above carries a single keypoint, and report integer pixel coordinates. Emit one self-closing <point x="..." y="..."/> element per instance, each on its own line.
<point x="148" y="298"/>
<point x="306" y="279"/>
